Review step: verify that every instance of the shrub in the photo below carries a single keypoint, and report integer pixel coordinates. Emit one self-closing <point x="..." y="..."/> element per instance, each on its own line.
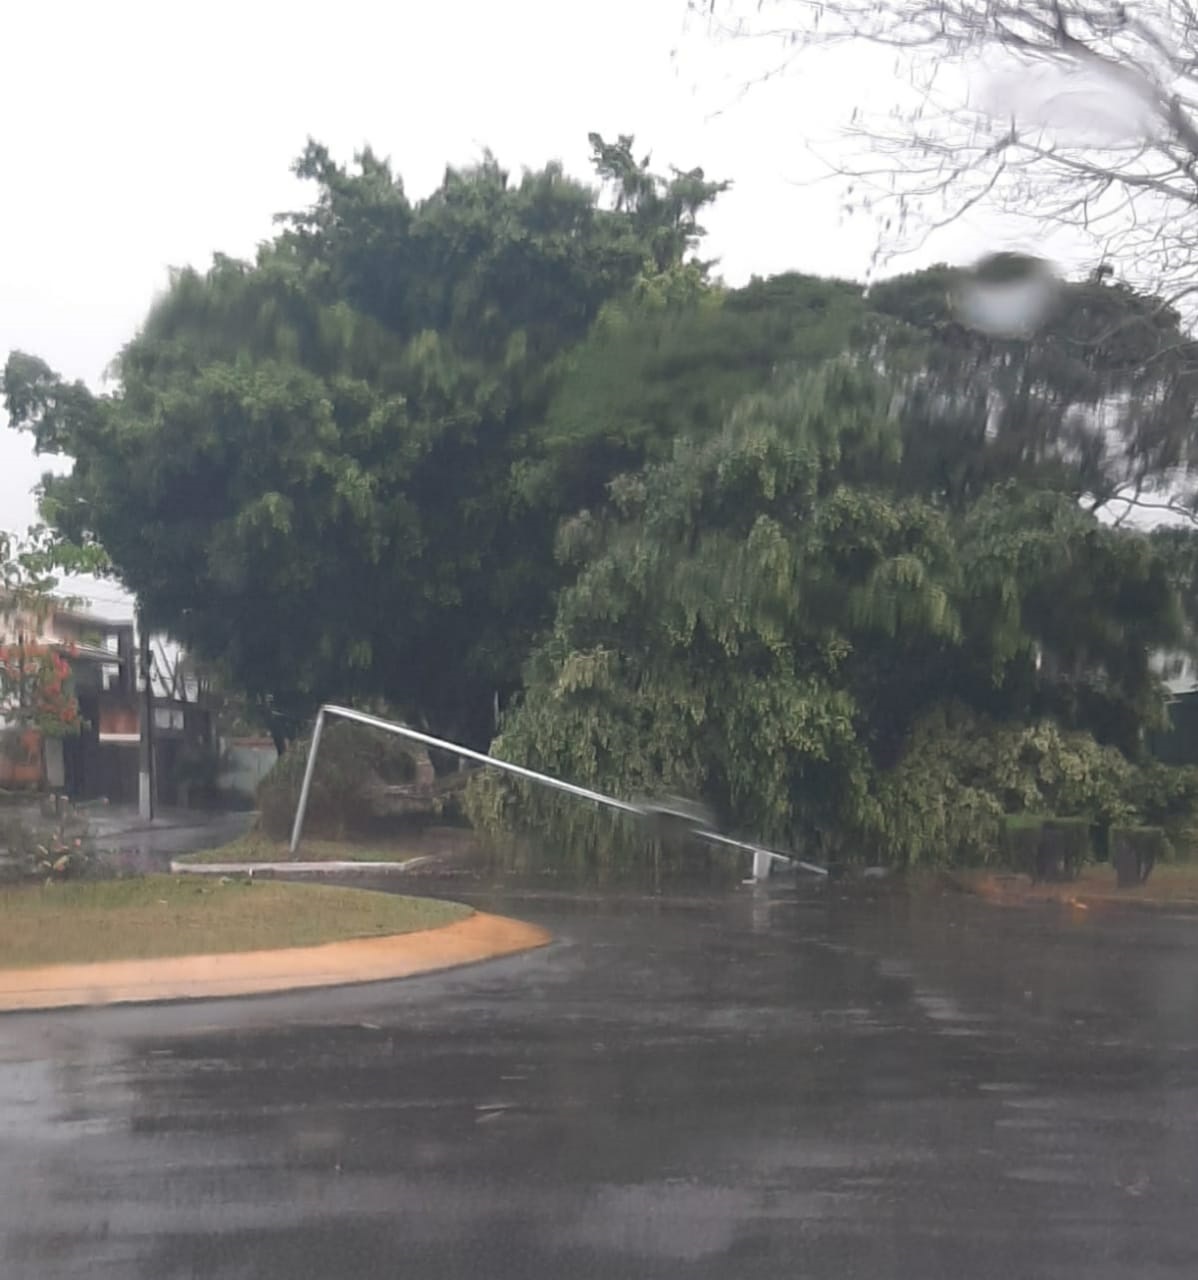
<point x="353" y="760"/>
<point x="1136" y="850"/>
<point x="1045" y="847"/>
<point x="1064" y="848"/>
<point x="945" y="799"/>
<point x="1166" y="796"/>
<point x="1100" y="841"/>
<point x="1021" y="841"/>
<point x="54" y="844"/>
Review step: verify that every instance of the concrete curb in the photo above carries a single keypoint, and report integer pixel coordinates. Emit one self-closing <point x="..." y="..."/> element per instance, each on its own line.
<point x="180" y="866"/>
<point x="478" y="937"/>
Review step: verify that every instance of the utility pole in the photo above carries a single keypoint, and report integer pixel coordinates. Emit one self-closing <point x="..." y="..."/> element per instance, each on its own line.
<point x="145" y="778"/>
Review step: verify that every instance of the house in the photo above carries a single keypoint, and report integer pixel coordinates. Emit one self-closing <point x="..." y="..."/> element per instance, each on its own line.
<point x="102" y="759"/>
<point x="1178" y="744"/>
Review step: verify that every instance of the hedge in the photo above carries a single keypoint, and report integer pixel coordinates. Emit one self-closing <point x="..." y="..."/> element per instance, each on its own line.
<point x="1135" y="851"/>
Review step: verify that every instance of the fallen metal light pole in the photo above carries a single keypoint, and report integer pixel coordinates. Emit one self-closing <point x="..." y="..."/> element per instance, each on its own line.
<point x="763" y="858"/>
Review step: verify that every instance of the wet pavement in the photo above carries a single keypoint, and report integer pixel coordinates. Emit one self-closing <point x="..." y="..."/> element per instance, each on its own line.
<point x="127" y="838"/>
<point x="734" y="1085"/>
<point x="128" y="842"/>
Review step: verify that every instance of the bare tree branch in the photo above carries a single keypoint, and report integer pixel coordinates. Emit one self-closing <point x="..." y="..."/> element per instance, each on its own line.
<point x="1110" y="148"/>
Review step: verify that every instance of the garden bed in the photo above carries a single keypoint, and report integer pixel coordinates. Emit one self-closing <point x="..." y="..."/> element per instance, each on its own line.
<point x="1174" y="884"/>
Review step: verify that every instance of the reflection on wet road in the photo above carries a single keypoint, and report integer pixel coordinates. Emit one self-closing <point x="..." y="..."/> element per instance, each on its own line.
<point x="726" y="1086"/>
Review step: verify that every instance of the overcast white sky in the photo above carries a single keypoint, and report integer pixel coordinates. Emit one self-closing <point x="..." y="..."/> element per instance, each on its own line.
<point x="137" y="136"/>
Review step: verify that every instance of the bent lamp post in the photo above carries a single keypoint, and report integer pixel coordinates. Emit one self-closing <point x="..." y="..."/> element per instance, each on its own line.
<point x="763" y="858"/>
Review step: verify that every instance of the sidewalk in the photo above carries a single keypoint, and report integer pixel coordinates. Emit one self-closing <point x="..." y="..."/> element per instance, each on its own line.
<point x="113" y="821"/>
<point x="337" y="867"/>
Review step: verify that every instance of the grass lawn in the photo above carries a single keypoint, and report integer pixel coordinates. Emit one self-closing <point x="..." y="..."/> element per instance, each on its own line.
<point x="259" y="848"/>
<point x="78" y="923"/>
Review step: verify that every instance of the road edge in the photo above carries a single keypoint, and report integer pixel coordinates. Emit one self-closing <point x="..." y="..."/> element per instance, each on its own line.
<point x="330" y="867"/>
<point x="248" y="973"/>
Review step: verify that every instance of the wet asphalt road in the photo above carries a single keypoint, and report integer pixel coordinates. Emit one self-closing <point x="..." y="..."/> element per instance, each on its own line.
<point x="714" y="1086"/>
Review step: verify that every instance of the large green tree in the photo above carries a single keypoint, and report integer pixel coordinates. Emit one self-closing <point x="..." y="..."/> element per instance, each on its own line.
<point x="663" y="363"/>
<point x="766" y="617"/>
<point x="774" y="545"/>
<point x="1099" y="401"/>
<point x="305" y="471"/>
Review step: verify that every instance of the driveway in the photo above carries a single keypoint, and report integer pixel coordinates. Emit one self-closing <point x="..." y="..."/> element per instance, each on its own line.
<point x="119" y="830"/>
<point x="737" y="1086"/>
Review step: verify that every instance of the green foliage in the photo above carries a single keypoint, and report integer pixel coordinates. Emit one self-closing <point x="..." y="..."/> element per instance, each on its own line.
<point x="1178" y="548"/>
<point x="1042" y="845"/>
<point x="940" y="803"/>
<point x="305" y="472"/>
<point x="1098" y="402"/>
<point x="1061" y="614"/>
<point x="824" y="557"/>
<point x="946" y="799"/>
<point x="1135" y="850"/>
<point x="654" y="369"/>
<point x="31" y="567"/>
<point x="964" y="779"/>
<point x="1019" y="843"/>
<point x="704" y="646"/>
<point x="765" y="621"/>
<point x="52" y="843"/>
<point x="1151" y="840"/>
<point x="36" y="697"/>
<point x="1166" y="796"/>
<point x="351" y="762"/>
<point x="1065" y="847"/>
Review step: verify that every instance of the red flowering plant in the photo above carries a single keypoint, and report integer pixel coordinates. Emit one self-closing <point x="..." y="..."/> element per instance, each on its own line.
<point x="36" y="699"/>
<point x="35" y="691"/>
<point x="37" y="702"/>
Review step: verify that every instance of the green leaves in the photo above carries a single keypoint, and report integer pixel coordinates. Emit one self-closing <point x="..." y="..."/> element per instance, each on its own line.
<point x="306" y="470"/>
<point x="705" y="636"/>
<point x="962" y="772"/>
<point x="1100" y="401"/>
<point x="768" y="619"/>
<point x="509" y="443"/>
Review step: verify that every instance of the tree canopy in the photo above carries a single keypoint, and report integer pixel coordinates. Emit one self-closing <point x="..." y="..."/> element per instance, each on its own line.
<point x="1099" y="401"/>
<point x="304" y="472"/>
<point x="765" y="618"/>
<point x="784" y="546"/>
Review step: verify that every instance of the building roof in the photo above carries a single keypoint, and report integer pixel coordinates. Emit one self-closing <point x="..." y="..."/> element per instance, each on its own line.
<point x="61" y="609"/>
<point x="91" y="619"/>
<point x="93" y="653"/>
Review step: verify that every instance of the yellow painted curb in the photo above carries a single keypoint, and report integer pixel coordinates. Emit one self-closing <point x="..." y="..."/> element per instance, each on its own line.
<point x="243" y="973"/>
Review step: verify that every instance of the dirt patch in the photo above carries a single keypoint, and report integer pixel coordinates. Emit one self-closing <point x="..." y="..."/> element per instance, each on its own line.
<point x="1170" y="886"/>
